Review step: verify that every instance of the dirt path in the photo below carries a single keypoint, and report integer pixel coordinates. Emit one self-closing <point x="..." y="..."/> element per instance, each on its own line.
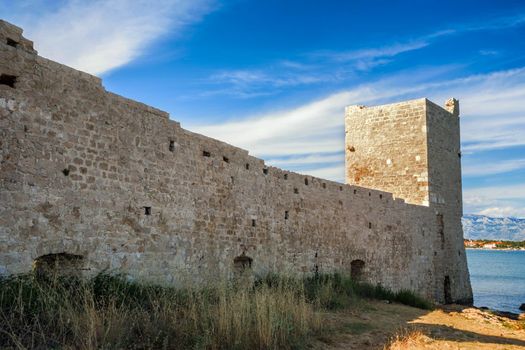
<point x="376" y="325"/>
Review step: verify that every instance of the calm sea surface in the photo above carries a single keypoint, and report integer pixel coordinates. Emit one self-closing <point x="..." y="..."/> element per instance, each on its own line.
<point x="498" y="278"/>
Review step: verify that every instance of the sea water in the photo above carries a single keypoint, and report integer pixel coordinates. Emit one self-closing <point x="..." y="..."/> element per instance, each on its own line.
<point x="498" y="278"/>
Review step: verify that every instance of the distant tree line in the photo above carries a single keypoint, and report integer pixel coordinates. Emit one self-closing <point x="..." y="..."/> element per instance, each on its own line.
<point x="480" y="243"/>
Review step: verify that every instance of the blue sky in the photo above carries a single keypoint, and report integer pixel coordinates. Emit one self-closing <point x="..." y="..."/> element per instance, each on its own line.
<point x="274" y="76"/>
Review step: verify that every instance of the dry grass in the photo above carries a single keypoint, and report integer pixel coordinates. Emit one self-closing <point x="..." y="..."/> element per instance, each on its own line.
<point x="108" y="312"/>
<point x="112" y="313"/>
<point x="407" y="339"/>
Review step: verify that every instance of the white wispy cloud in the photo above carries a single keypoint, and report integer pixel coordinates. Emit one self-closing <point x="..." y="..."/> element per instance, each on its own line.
<point x="306" y="160"/>
<point x="310" y="138"/>
<point x="338" y="65"/>
<point x="316" y="127"/>
<point x="335" y="173"/>
<point x="319" y="67"/>
<point x="496" y="167"/>
<point x="509" y="192"/>
<point x="372" y="53"/>
<point x="496" y="200"/>
<point x="100" y="35"/>
<point x="493" y="109"/>
<point x="253" y="78"/>
<point x="495" y="24"/>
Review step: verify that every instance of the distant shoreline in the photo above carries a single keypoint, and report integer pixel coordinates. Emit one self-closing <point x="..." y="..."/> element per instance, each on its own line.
<point x="510" y="249"/>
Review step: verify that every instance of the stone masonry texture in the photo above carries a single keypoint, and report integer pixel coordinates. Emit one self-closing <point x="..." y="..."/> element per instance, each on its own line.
<point x="119" y="187"/>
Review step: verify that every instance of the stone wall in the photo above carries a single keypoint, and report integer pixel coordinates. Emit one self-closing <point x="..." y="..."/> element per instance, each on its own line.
<point x="119" y="185"/>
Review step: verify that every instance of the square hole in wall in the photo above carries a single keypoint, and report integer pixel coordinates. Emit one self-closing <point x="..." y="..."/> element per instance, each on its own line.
<point x="9" y="80"/>
<point x="340" y="188"/>
<point x="254" y="223"/>
<point x="265" y="171"/>
<point x="147" y="210"/>
<point x="286" y="215"/>
<point x="286" y="176"/>
<point x="11" y="42"/>
<point x="172" y="146"/>
<point x="323" y="185"/>
<point x="369" y="225"/>
<point x="306" y="181"/>
<point x="225" y="159"/>
<point x="296" y="190"/>
<point x="206" y="154"/>
<point x="247" y="166"/>
<point x="355" y="191"/>
<point x="380" y="196"/>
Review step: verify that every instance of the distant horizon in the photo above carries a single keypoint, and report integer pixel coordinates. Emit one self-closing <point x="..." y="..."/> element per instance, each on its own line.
<point x="495" y="217"/>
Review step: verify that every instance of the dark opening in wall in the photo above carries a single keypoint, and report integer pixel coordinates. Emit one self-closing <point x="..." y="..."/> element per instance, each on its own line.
<point x="265" y="171"/>
<point x="9" y="80"/>
<point x="226" y="159"/>
<point x="172" y="146"/>
<point x="147" y="210"/>
<point x="60" y="264"/>
<point x="324" y="185"/>
<point x="11" y="42"/>
<point x="206" y="154"/>
<point x="380" y="196"/>
<point x="369" y="225"/>
<point x="447" y="290"/>
<point x="369" y="194"/>
<point x="459" y="154"/>
<point x="65" y="172"/>
<point x="441" y="229"/>
<point x="355" y="191"/>
<point x="253" y="223"/>
<point x="296" y="190"/>
<point x="247" y="166"/>
<point x="306" y="181"/>
<point x="286" y="176"/>
<point x="286" y="215"/>
<point x="340" y="188"/>
<point x="356" y="269"/>
<point x="242" y="263"/>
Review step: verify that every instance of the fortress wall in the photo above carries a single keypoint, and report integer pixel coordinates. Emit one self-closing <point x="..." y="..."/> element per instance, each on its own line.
<point x="79" y="167"/>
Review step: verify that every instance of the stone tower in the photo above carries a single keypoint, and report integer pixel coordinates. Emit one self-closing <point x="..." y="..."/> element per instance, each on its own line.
<point x="412" y="149"/>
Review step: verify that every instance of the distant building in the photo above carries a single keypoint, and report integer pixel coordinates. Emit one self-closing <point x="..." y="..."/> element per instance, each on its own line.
<point x="470" y="244"/>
